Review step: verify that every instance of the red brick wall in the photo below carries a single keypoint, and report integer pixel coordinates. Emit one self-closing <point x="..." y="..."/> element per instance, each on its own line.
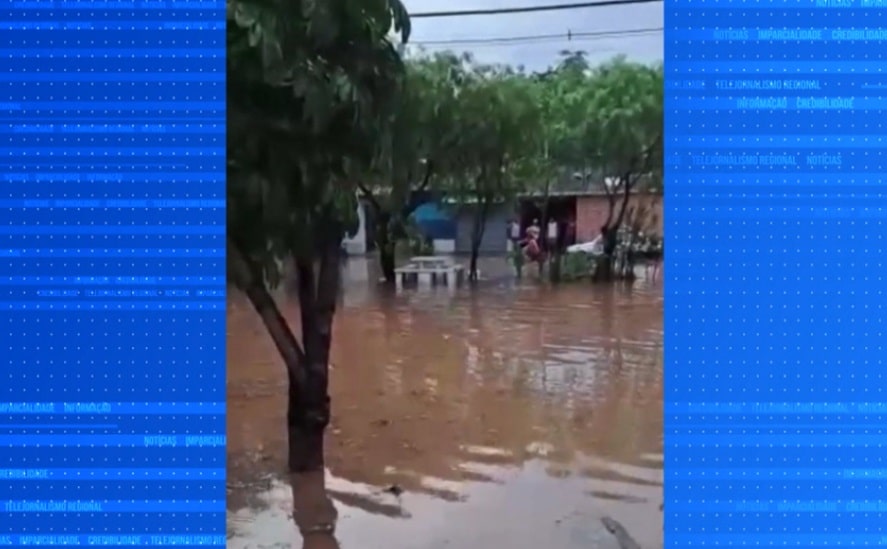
<point x="591" y="213"/>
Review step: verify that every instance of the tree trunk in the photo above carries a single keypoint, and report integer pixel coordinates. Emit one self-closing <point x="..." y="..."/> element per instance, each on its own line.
<point x="305" y="448"/>
<point x="472" y="264"/>
<point x="313" y="511"/>
<point x="309" y="412"/>
<point x="386" y="247"/>
<point x="603" y="270"/>
<point x="477" y="236"/>
<point x="382" y="237"/>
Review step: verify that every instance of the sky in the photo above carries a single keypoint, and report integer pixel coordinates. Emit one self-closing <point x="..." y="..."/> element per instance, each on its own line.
<point x="541" y="54"/>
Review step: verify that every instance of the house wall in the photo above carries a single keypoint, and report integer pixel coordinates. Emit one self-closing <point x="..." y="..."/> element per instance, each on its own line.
<point x="591" y="213"/>
<point x="493" y="241"/>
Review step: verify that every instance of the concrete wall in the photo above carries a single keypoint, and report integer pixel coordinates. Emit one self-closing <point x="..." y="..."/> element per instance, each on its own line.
<point x="493" y="241"/>
<point x="591" y="213"/>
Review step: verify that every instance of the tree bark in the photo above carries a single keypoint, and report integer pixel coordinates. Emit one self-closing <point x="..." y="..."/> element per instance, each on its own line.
<point x="472" y="264"/>
<point x="309" y="412"/>
<point x="383" y="237"/>
<point x="477" y="236"/>
<point x="389" y="265"/>
<point x="313" y="511"/>
<point x="305" y="450"/>
<point x="249" y="279"/>
<point x="387" y="249"/>
<point x="603" y="270"/>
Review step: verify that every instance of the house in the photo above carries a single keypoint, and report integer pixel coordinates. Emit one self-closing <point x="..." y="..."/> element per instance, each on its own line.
<point x="572" y="201"/>
<point x="587" y="205"/>
<point x="495" y="229"/>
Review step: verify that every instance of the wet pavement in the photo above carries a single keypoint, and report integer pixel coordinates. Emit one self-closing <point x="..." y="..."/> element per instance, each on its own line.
<point x="515" y="415"/>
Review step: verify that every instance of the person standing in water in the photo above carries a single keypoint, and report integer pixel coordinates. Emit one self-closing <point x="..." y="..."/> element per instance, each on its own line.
<point x="551" y="234"/>
<point x="512" y="235"/>
<point x="532" y="249"/>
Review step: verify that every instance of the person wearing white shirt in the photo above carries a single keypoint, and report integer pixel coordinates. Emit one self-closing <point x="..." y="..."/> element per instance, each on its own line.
<point x="551" y="233"/>
<point x="512" y="235"/>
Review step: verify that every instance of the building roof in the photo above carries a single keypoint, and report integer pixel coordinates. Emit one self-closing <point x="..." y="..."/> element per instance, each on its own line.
<point x="575" y="184"/>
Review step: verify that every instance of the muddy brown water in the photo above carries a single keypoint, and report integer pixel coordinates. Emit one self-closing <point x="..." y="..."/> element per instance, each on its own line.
<point x="514" y="415"/>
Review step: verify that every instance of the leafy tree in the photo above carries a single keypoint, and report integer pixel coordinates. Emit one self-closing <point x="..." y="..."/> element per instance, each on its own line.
<point x="413" y="151"/>
<point x="311" y="86"/>
<point x="611" y="128"/>
<point x="573" y="62"/>
<point x="498" y="128"/>
<point x="557" y="133"/>
<point x="628" y="129"/>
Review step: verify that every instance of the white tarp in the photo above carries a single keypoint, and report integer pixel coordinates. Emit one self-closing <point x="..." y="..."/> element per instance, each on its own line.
<point x="595" y="247"/>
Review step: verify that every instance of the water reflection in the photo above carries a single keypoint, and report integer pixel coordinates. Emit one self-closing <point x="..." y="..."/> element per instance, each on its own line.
<point x="525" y="406"/>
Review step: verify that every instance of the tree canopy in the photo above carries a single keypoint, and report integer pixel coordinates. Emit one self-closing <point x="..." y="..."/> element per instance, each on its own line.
<point x="512" y="127"/>
<point x="498" y="132"/>
<point x="311" y="89"/>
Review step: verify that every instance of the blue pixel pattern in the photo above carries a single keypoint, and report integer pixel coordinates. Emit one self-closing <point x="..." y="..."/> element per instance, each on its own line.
<point x="776" y="151"/>
<point x="112" y="273"/>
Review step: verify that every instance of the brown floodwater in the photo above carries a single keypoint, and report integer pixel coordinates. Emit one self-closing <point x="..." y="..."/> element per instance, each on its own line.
<point x="510" y="415"/>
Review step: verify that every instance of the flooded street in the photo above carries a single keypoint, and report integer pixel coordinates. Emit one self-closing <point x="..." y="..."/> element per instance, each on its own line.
<point x="509" y="416"/>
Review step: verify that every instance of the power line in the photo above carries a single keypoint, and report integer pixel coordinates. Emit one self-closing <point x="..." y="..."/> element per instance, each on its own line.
<point x="568" y="36"/>
<point x="528" y="9"/>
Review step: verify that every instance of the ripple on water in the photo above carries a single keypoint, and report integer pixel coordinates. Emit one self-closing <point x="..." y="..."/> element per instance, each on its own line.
<point x="538" y="409"/>
<point x="533" y="510"/>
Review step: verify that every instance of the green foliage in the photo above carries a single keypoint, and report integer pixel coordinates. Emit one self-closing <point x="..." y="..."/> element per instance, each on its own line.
<point x="414" y="144"/>
<point x="608" y="118"/>
<point x="576" y="266"/>
<point x="604" y="121"/>
<point x="627" y="130"/>
<point x="415" y="241"/>
<point x="498" y="138"/>
<point x="321" y="107"/>
<point x="413" y="151"/>
<point x="311" y="86"/>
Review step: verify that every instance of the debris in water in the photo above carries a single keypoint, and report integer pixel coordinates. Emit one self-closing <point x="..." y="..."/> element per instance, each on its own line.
<point x="621" y="534"/>
<point x="394" y="490"/>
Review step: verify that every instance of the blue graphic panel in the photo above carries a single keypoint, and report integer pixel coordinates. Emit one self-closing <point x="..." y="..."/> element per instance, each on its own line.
<point x="775" y="413"/>
<point x="112" y="274"/>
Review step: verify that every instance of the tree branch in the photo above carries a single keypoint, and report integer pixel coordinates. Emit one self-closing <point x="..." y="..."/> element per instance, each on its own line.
<point x="411" y="206"/>
<point x="366" y="193"/>
<point x="611" y="203"/>
<point x="328" y="285"/>
<point x="427" y="177"/>
<point x="248" y="278"/>
<point x="626" y="195"/>
<point x="637" y="168"/>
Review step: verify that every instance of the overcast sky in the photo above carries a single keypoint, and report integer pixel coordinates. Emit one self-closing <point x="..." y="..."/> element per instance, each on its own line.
<point x="540" y="54"/>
